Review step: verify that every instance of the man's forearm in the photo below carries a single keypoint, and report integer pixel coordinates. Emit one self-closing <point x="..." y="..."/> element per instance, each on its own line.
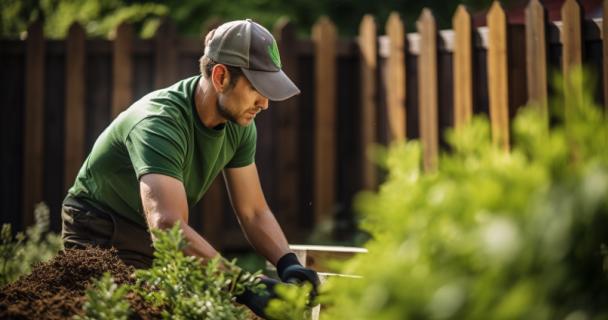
<point x="197" y="245"/>
<point x="265" y="235"/>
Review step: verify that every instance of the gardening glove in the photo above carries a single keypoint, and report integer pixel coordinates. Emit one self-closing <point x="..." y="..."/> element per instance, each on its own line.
<point x="258" y="302"/>
<point x="290" y="270"/>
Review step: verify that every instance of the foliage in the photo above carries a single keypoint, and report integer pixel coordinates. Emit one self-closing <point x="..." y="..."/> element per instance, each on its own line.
<point x="292" y="302"/>
<point x="105" y="300"/>
<point x="18" y="255"/>
<point x="490" y="234"/>
<point x="186" y="287"/>
<point x="98" y="18"/>
<point x="101" y="16"/>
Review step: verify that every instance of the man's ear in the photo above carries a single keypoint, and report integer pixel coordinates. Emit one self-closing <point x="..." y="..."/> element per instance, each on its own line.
<point x="220" y="77"/>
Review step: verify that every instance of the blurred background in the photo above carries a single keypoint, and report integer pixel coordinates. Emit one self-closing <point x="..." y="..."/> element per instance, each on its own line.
<point x="100" y="18"/>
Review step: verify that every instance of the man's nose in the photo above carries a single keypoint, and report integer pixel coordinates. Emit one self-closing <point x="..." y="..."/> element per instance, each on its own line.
<point x="262" y="103"/>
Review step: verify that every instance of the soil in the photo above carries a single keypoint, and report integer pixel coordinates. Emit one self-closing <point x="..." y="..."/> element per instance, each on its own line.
<point x="56" y="289"/>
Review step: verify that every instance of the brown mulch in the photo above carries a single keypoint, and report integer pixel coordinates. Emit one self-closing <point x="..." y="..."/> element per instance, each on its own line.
<point x="56" y="289"/>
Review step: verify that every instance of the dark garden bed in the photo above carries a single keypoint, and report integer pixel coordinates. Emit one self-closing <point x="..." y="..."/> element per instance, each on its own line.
<point x="56" y="289"/>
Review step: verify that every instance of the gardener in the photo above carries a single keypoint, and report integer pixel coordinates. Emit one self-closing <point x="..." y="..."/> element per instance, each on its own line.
<point x="157" y="158"/>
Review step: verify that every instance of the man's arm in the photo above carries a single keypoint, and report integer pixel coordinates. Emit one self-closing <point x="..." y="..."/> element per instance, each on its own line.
<point x="254" y="215"/>
<point x="164" y="202"/>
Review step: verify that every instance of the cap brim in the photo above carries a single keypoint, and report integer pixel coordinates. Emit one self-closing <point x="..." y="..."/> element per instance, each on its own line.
<point x="275" y="86"/>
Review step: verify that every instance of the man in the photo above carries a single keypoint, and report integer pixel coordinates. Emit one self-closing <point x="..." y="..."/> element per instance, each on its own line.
<point x="157" y="158"/>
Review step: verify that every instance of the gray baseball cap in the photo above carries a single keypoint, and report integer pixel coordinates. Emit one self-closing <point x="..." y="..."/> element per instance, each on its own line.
<point x="248" y="45"/>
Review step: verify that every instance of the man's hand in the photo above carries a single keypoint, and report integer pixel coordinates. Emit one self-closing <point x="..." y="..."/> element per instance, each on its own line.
<point x="290" y="270"/>
<point x="258" y="302"/>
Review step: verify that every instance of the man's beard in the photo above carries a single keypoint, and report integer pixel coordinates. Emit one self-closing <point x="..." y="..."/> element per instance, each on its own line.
<point x="224" y="112"/>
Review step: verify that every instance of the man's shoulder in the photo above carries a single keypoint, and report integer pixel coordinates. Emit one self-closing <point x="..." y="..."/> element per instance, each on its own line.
<point x="168" y="104"/>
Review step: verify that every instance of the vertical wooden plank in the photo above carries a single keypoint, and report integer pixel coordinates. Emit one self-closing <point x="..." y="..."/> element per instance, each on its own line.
<point x="122" y="76"/>
<point x="427" y="89"/>
<point x="572" y="46"/>
<point x="287" y="139"/>
<point x="165" y="55"/>
<point x="212" y="210"/>
<point x="324" y="37"/>
<point x="395" y="77"/>
<point x="75" y="103"/>
<point x="498" y="87"/>
<point x="605" y="53"/>
<point x="536" y="54"/>
<point x="33" y="142"/>
<point x="463" y="67"/>
<point x="369" y="65"/>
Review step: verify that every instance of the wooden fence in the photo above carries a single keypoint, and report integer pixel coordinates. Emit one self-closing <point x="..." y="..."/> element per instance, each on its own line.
<point x="58" y="95"/>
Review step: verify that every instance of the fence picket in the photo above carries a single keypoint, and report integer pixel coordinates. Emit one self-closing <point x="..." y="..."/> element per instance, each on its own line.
<point x="571" y="36"/>
<point x="165" y="60"/>
<point x="212" y="211"/>
<point x="288" y="127"/>
<point x="536" y="54"/>
<point x="75" y="103"/>
<point x="33" y="126"/>
<point x="427" y="89"/>
<point x="395" y="77"/>
<point x="368" y="65"/>
<point x="324" y="37"/>
<point x="122" y="79"/>
<point x="604" y="34"/>
<point x="463" y="66"/>
<point x="498" y="71"/>
<point x="572" y="48"/>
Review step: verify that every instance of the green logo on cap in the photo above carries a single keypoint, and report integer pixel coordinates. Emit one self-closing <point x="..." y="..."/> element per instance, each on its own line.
<point x="273" y="51"/>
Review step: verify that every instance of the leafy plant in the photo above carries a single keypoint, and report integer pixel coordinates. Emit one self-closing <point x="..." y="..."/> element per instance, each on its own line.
<point x="19" y="254"/>
<point x="292" y="302"/>
<point x="105" y="300"/>
<point x="490" y="234"/>
<point x="187" y="288"/>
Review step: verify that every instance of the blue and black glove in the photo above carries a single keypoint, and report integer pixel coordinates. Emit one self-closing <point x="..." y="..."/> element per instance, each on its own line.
<point x="258" y="302"/>
<point x="290" y="270"/>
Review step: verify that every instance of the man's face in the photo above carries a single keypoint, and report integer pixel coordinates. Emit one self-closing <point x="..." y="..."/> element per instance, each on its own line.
<point x="241" y="103"/>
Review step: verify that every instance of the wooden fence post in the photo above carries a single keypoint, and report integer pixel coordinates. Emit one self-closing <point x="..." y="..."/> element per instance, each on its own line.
<point x="395" y="77"/>
<point x="75" y="103"/>
<point x="33" y="141"/>
<point x="572" y="48"/>
<point x="122" y="76"/>
<point x="287" y="158"/>
<point x="498" y="73"/>
<point x="427" y="88"/>
<point x="571" y="36"/>
<point x="604" y="34"/>
<point x="165" y="53"/>
<point x="536" y="55"/>
<point x="369" y="66"/>
<point x="463" y="67"/>
<point x="212" y="211"/>
<point x="325" y="37"/>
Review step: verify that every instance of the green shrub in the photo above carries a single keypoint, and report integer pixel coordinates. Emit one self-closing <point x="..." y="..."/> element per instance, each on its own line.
<point x="105" y="300"/>
<point x="188" y="289"/>
<point x="490" y="234"/>
<point x="292" y="302"/>
<point x="19" y="254"/>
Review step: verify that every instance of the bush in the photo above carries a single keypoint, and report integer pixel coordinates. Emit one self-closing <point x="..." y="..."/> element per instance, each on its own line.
<point x="188" y="289"/>
<point x="19" y="254"/>
<point x="490" y="234"/>
<point x="105" y="300"/>
<point x="292" y="302"/>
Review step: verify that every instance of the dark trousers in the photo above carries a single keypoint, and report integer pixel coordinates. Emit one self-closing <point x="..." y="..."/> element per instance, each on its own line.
<point x="84" y="225"/>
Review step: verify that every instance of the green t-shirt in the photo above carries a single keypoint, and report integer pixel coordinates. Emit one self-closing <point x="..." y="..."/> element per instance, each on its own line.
<point x="160" y="133"/>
